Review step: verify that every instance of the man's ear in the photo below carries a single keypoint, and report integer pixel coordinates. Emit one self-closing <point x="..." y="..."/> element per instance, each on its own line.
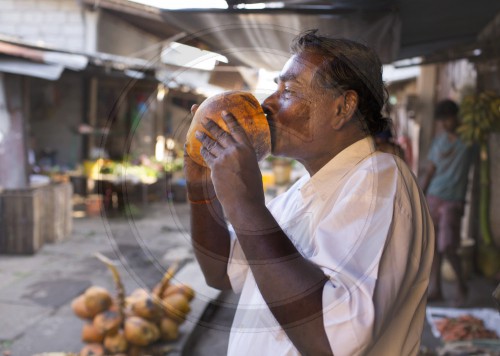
<point x="346" y="106"/>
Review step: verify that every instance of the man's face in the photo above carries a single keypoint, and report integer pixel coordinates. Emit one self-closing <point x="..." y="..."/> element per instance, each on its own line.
<point x="450" y="123"/>
<point x="297" y="112"/>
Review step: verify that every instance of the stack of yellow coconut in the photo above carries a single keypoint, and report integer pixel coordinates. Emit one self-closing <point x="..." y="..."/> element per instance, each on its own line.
<point x="129" y="325"/>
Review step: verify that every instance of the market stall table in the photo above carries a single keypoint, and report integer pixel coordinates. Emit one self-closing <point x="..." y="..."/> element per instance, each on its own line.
<point x="118" y="192"/>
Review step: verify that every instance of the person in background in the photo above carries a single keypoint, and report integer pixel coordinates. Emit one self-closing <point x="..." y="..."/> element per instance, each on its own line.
<point x="445" y="184"/>
<point x="339" y="263"/>
<point x="32" y="161"/>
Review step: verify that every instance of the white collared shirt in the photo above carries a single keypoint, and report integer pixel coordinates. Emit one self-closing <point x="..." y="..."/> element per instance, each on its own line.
<point x="363" y="220"/>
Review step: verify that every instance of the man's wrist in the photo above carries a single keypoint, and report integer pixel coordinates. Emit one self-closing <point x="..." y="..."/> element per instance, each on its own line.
<point x="200" y="192"/>
<point x="203" y="202"/>
<point x="262" y="221"/>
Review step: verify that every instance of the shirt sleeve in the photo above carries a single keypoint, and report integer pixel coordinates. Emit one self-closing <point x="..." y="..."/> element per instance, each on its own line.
<point x="351" y="239"/>
<point x="237" y="266"/>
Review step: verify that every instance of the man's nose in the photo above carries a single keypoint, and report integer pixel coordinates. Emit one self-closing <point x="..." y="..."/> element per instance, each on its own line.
<point x="268" y="102"/>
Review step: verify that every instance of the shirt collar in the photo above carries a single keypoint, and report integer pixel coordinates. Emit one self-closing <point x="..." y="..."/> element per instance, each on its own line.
<point x="338" y="167"/>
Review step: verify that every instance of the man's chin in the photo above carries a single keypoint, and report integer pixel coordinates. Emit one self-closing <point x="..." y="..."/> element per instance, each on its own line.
<point x="278" y="151"/>
<point x="272" y="130"/>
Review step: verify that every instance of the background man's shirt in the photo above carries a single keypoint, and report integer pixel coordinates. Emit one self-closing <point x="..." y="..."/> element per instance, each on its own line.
<point x="452" y="160"/>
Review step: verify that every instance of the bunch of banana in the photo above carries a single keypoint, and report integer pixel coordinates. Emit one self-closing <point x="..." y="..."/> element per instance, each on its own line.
<point x="480" y="115"/>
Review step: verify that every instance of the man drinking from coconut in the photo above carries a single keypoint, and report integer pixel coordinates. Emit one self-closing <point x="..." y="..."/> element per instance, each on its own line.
<point x="339" y="264"/>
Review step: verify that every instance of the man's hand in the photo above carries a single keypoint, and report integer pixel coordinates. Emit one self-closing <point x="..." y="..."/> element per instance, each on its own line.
<point x="199" y="184"/>
<point x="234" y="169"/>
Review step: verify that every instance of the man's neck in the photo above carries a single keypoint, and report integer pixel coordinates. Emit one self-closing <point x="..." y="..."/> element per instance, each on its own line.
<point x="452" y="135"/>
<point x="314" y="164"/>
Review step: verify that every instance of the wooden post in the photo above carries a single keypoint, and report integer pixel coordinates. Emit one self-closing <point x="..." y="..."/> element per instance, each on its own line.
<point x="92" y="113"/>
<point x="13" y="155"/>
<point x="26" y="112"/>
<point x="160" y="111"/>
<point x="426" y="91"/>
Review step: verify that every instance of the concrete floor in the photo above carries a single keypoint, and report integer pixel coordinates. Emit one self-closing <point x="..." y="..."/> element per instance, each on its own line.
<point x="36" y="291"/>
<point x="211" y="335"/>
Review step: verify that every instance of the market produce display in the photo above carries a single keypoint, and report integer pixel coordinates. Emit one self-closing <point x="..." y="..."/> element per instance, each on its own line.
<point x="123" y="325"/>
<point x="246" y="109"/>
<point x="465" y="327"/>
<point x="146" y="171"/>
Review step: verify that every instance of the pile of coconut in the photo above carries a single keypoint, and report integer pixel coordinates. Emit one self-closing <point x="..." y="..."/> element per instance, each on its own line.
<point x="129" y="325"/>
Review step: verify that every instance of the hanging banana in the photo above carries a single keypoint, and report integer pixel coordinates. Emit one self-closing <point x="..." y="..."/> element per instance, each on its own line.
<point x="480" y="115"/>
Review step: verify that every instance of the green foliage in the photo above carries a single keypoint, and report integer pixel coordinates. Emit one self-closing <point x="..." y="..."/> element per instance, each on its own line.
<point x="480" y="115"/>
<point x="174" y="165"/>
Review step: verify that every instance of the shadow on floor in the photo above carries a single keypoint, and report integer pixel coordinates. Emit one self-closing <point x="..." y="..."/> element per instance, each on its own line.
<point x="211" y="335"/>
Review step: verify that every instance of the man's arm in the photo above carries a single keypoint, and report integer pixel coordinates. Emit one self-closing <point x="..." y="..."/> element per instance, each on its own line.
<point x="209" y="234"/>
<point x="431" y="170"/>
<point x="291" y="285"/>
<point x="211" y="242"/>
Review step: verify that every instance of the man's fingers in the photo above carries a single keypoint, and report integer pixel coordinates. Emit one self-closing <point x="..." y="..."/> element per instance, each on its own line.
<point x="207" y="156"/>
<point x="221" y="136"/>
<point x="208" y="143"/>
<point x="235" y="128"/>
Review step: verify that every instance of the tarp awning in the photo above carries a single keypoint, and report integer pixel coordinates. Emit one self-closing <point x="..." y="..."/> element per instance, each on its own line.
<point x="28" y="59"/>
<point x="68" y="60"/>
<point x="23" y="60"/>
<point x="30" y="68"/>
